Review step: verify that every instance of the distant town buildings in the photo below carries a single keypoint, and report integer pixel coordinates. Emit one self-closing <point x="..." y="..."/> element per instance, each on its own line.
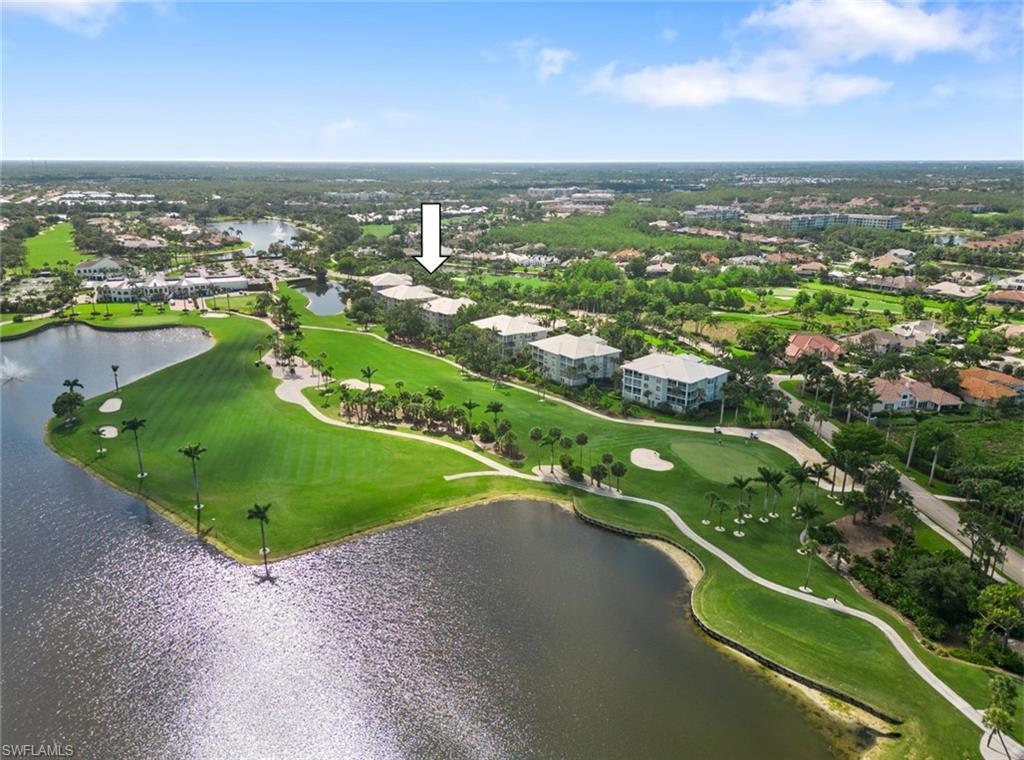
<point x="575" y="359"/>
<point x="797" y="222"/>
<point x="679" y="381"/>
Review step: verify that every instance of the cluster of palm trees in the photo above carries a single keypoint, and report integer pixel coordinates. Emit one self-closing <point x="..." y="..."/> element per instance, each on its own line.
<point x="854" y="392"/>
<point x="554" y="439"/>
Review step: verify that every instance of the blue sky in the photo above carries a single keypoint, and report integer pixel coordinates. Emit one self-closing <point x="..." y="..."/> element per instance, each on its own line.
<point x="796" y="80"/>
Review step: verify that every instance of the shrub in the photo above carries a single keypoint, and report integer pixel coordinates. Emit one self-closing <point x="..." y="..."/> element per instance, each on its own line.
<point x="826" y="534"/>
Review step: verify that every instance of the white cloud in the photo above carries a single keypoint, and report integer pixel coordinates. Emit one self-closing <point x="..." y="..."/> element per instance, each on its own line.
<point x="848" y="30"/>
<point x="551" y="62"/>
<point x="335" y="129"/>
<point x="820" y="38"/>
<point x="87" y="17"/>
<point x="768" y="79"/>
<point x="668" y="34"/>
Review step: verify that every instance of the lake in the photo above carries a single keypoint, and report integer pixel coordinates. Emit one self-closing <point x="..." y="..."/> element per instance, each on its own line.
<point x="323" y="299"/>
<point x="503" y="631"/>
<point x="260" y="233"/>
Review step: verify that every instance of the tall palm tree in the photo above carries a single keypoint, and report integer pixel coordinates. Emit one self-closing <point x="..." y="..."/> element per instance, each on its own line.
<point x="835" y="460"/>
<point x="722" y="505"/>
<point x="713" y="499"/>
<point x="368" y="372"/>
<point x="778" y="477"/>
<point x="470" y="405"/>
<point x="98" y="432"/>
<point x="554" y="436"/>
<point x="135" y="425"/>
<point x="193" y="451"/>
<point x="806" y="512"/>
<point x="581" y="441"/>
<point x="618" y="469"/>
<point x="114" y="368"/>
<point x="819" y="471"/>
<point x="764" y="476"/>
<point x="742" y="485"/>
<point x="495" y="408"/>
<point x="799" y="474"/>
<point x="259" y="512"/>
<point x="810" y="548"/>
<point x="72" y="384"/>
<point x="537" y="435"/>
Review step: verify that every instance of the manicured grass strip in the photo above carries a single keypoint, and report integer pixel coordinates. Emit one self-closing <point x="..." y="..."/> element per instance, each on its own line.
<point x="53" y="245"/>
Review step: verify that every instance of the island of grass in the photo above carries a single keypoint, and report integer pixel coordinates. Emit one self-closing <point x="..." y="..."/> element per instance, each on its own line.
<point x="328" y="482"/>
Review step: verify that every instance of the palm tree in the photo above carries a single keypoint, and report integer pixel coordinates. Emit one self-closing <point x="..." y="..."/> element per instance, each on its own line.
<point x="537" y="435"/>
<point x="470" y="405"/>
<point x="72" y="384"/>
<point x="777" y="478"/>
<point x="806" y="512"/>
<point x="799" y="474"/>
<point x="554" y="436"/>
<point x="193" y="451"/>
<point x="367" y="373"/>
<point x="598" y="473"/>
<point x="741" y="485"/>
<point x="819" y="471"/>
<point x="840" y="553"/>
<point x="722" y="505"/>
<point x="810" y="548"/>
<point x="713" y="499"/>
<point x="114" y="368"/>
<point x="259" y="512"/>
<point x="764" y="476"/>
<point x="581" y="441"/>
<point x="98" y="432"/>
<point x="940" y="437"/>
<point x="618" y="469"/>
<point x="135" y="425"/>
<point x="835" y="460"/>
<point x="496" y="408"/>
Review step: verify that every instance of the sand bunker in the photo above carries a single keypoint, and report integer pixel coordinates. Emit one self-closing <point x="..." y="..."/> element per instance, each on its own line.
<point x="108" y="431"/>
<point x="649" y="459"/>
<point x="215" y="315"/>
<point x="360" y="385"/>
<point x="111" y="405"/>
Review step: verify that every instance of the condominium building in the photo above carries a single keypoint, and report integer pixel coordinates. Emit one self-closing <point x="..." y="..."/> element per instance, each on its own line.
<point x="406" y="293"/>
<point x="386" y="280"/>
<point x="439" y="312"/>
<point x="821" y="221"/>
<point x="514" y="333"/>
<point x="680" y="381"/>
<point x="575" y="359"/>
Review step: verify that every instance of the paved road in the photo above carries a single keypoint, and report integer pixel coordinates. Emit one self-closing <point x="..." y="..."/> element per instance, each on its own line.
<point x="936" y="513"/>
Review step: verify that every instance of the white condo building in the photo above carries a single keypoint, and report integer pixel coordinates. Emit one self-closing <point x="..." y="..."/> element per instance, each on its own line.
<point x="515" y="333"/>
<point x="387" y="280"/>
<point x="439" y="312"/>
<point x="575" y="359"/>
<point x="404" y="293"/>
<point x="679" y="381"/>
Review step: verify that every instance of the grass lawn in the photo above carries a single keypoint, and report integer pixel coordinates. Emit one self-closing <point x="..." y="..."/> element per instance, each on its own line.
<point x="326" y="483"/>
<point x="611" y="231"/>
<point x="378" y="230"/>
<point x="870" y="300"/>
<point x="513" y="279"/>
<point x="53" y="245"/>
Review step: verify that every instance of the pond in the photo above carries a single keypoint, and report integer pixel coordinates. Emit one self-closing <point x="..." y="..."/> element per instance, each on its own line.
<point x="503" y="631"/>
<point x="323" y="299"/>
<point x="260" y="233"/>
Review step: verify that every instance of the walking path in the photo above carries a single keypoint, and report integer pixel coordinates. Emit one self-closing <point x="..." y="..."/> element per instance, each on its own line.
<point x="933" y="510"/>
<point x="293" y="383"/>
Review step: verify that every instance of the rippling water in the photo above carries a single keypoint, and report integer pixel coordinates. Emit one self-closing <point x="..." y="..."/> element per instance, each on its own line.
<point x="506" y="631"/>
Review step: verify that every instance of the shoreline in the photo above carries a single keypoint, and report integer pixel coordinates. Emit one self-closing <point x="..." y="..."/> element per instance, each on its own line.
<point x="840" y="723"/>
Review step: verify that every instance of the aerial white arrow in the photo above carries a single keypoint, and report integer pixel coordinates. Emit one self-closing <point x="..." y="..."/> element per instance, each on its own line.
<point x="430" y="235"/>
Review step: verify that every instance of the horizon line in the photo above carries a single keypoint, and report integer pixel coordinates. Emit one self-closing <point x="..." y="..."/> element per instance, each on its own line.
<point x="516" y="161"/>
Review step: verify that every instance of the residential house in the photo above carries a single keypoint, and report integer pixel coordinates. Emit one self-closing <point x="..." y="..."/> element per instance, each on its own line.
<point x="514" y="333"/>
<point x="400" y="294"/>
<point x="439" y="311"/>
<point x="897" y="258"/>
<point x="878" y="341"/>
<point x="803" y="344"/>
<point x="968" y="276"/>
<point x="920" y="331"/>
<point x="679" y="381"/>
<point x="906" y="395"/>
<point x="986" y="387"/>
<point x="810" y="269"/>
<point x="659" y="270"/>
<point x="102" y="268"/>
<point x="898" y="284"/>
<point x="1011" y="283"/>
<point x="947" y="289"/>
<point x="575" y="359"/>
<point x="1006" y="297"/>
